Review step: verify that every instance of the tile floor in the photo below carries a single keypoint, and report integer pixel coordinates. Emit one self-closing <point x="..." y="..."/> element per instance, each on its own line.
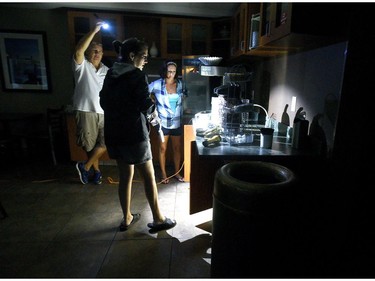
<point x="58" y="228"/>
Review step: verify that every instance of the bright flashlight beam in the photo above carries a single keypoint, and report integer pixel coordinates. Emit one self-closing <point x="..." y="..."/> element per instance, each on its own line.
<point x="105" y="25"/>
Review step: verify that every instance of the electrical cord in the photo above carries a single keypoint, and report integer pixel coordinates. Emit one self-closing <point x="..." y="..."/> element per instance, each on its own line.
<point x="111" y="181"/>
<point x="167" y="178"/>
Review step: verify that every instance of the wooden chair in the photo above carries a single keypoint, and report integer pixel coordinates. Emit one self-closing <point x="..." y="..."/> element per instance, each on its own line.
<point x="8" y="146"/>
<point x="53" y="134"/>
<point x="56" y="129"/>
<point x="3" y="213"/>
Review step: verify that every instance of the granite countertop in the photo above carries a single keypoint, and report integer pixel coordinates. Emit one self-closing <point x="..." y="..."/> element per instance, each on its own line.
<point x="281" y="146"/>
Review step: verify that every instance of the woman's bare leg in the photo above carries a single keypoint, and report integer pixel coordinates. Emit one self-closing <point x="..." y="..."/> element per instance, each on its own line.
<point x="162" y="156"/>
<point x="126" y="173"/>
<point x="147" y="173"/>
<point x="176" y="145"/>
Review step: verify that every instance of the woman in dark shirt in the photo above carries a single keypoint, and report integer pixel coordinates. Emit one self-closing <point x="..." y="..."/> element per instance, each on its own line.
<point x="127" y="104"/>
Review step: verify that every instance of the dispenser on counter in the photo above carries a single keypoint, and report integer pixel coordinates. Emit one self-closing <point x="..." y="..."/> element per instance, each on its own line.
<point x="300" y="130"/>
<point x="202" y="120"/>
<point x="198" y="80"/>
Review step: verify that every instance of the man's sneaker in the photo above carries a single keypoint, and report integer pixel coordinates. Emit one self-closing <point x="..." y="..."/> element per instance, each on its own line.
<point x="83" y="174"/>
<point x="97" y="177"/>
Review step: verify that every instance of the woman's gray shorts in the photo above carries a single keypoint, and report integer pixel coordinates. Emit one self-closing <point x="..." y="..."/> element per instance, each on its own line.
<point x="138" y="153"/>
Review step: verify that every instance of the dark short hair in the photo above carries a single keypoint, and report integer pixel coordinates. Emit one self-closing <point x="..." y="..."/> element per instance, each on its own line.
<point x="164" y="68"/>
<point x="131" y="45"/>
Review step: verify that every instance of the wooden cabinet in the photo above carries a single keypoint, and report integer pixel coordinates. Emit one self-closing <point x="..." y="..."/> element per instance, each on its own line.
<point x="275" y="21"/>
<point x="284" y="28"/>
<point x="80" y="23"/>
<point x="204" y="163"/>
<point x="182" y="36"/>
<point x="143" y="27"/>
<point x="254" y="46"/>
<point x="299" y="26"/>
<point x="242" y="29"/>
<point x="239" y="28"/>
<point x="221" y="38"/>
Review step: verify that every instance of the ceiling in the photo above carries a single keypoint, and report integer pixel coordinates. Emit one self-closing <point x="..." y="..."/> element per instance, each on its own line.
<point x="190" y="9"/>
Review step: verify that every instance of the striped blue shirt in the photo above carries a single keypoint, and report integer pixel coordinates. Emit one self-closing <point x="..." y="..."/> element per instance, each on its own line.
<point x="169" y="114"/>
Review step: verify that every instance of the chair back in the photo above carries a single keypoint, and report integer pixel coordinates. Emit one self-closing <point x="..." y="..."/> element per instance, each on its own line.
<point x="57" y="132"/>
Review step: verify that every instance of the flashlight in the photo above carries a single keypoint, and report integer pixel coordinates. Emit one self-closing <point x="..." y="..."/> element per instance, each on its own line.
<point x="105" y="25"/>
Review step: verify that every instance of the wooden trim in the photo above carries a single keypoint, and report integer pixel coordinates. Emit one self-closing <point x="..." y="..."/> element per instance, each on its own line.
<point x="189" y="136"/>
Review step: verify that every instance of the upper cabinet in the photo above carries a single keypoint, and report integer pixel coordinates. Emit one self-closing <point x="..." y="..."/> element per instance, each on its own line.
<point x="275" y="21"/>
<point x="80" y="23"/>
<point x="239" y="28"/>
<point x="221" y="38"/>
<point x="269" y="29"/>
<point x="143" y="27"/>
<point x="182" y="36"/>
<point x="301" y="26"/>
<point x="245" y="28"/>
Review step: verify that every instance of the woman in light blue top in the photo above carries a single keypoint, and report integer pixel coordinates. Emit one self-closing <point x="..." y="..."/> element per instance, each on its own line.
<point x="168" y="95"/>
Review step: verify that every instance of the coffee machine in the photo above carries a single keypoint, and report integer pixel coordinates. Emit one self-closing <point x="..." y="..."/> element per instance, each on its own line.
<point x="233" y="108"/>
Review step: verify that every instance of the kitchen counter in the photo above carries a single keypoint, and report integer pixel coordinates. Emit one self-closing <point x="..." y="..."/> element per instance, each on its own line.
<point x="281" y="146"/>
<point x="278" y="148"/>
<point x="205" y="161"/>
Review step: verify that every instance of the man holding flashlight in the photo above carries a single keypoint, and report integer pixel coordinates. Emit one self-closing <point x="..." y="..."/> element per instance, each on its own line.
<point x="89" y="73"/>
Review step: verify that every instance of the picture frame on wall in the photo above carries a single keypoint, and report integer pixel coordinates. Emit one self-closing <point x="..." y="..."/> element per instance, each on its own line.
<point x="24" y="61"/>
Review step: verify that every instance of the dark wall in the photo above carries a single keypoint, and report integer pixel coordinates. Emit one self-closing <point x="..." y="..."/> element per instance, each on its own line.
<point x="354" y="153"/>
<point x="54" y="23"/>
<point x="337" y="196"/>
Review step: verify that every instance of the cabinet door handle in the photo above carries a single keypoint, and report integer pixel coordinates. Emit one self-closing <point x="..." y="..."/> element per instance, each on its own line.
<point x="242" y="46"/>
<point x="269" y="28"/>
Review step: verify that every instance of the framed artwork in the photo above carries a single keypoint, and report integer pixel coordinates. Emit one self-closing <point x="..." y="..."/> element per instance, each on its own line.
<point x="24" y="62"/>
